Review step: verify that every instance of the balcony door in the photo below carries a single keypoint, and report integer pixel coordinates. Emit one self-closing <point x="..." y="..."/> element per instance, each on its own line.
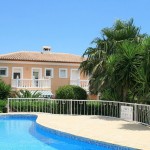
<point x="17" y="73"/>
<point x="36" y="75"/>
<point x="75" y="77"/>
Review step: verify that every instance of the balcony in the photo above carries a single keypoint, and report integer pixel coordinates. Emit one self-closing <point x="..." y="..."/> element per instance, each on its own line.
<point x="82" y="83"/>
<point x="31" y="83"/>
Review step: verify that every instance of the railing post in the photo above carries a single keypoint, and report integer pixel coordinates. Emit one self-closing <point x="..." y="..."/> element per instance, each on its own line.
<point x="8" y="105"/>
<point x="71" y="107"/>
<point x="135" y="112"/>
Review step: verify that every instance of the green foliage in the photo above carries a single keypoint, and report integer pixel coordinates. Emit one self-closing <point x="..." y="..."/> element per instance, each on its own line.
<point x="3" y="108"/>
<point x="23" y="105"/>
<point x="27" y="94"/>
<point x="5" y="90"/>
<point x="119" y="63"/>
<point x="97" y="58"/>
<point x="142" y="75"/>
<point x="128" y="60"/>
<point x="71" y="92"/>
<point x="110" y="94"/>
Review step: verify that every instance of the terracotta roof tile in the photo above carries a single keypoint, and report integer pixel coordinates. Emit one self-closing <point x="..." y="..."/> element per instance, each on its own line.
<point x="42" y="57"/>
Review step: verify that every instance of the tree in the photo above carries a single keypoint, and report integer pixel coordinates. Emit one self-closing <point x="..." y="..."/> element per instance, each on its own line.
<point x="142" y="74"/>
<point x="108" y="51"/>
<point x="127" y="61"/>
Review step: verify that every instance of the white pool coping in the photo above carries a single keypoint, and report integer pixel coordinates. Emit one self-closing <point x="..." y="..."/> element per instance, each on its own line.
<point x="106" y="129"/>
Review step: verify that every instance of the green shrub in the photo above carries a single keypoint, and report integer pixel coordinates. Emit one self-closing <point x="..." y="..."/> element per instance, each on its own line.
<point x="3" y="108"/>
<point x="5" y="90"/>
<point x="71" y="92"/>
<point x="34" y="105"/>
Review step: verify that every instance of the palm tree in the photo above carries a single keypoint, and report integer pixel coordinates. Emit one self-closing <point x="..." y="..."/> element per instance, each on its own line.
<point x="28" y="94"/>
<point x="127" y="60"/>
<point x="142" y="75"/>
<point x="97" y="59"/>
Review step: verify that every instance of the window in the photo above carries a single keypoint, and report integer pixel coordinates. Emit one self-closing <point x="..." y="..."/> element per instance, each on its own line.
<point x="49" y="72"/>
<point x="62" y="73"/>
<point x="4" y="71"/>
<point x="17" y="72"/>
<point x="16" y="75"/>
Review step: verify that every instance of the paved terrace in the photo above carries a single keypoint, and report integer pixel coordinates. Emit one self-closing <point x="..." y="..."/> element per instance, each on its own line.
<point x="111" y="130"/>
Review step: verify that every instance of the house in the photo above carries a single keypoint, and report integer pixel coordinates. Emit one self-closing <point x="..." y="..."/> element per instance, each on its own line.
<point x="43" y="71"/>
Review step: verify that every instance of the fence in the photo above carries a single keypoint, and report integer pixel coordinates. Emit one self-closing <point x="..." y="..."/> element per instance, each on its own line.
<point x="138" y="112"/>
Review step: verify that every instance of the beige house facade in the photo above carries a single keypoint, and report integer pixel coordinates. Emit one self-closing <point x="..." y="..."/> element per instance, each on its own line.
<point x="43" y="71"/>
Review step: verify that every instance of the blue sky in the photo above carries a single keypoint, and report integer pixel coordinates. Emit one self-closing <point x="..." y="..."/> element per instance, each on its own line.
<point x="67" y="26"/>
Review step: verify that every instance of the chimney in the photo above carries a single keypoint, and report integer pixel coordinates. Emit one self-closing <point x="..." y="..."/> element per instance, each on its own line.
<point x="46" y="49"/>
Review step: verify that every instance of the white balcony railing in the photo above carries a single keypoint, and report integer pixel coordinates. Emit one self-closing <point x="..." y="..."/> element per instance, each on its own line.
<point x="82" y="83"/>
<point x="31" y="83"/>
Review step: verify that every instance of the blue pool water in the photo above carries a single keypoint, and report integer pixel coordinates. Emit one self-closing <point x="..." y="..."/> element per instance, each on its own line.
<point x="21" y="132"/>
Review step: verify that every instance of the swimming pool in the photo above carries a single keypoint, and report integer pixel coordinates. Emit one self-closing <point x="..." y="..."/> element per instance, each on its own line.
<point x="21" y="132"/>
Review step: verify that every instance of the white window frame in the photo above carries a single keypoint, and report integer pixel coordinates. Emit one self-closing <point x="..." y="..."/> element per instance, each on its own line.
<point x="40" y="72"/>
<point x="75" y="70"/>
<point x="3" y="67"/>
<point x="52" y="72"/>
<point x="21" y="73"/>
<point x="60" y="69"/>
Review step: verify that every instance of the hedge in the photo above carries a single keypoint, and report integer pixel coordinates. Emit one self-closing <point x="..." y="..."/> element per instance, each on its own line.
<point x="71" y="92"/>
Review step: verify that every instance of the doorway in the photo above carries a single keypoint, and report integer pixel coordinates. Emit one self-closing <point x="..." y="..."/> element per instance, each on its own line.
<point x="36" y="75"/>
